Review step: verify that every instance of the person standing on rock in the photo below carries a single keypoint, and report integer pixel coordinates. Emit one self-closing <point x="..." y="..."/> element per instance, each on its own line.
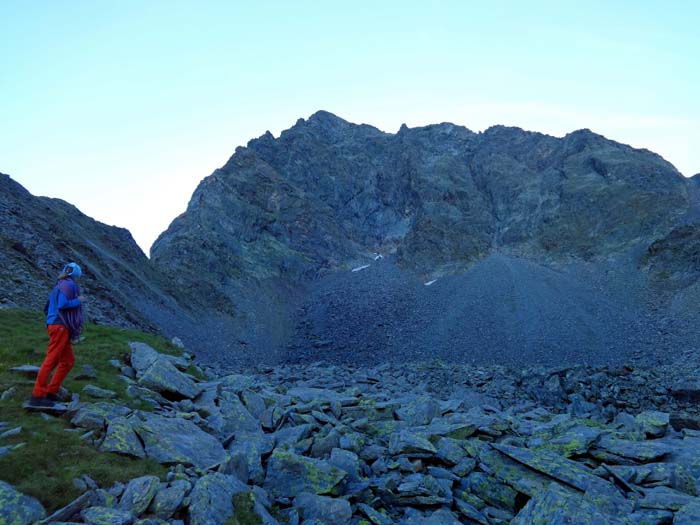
<point x="64" y="322"/>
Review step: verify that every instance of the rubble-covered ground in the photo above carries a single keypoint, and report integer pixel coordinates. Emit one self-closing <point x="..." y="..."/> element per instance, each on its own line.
<point x="416" y="443"/>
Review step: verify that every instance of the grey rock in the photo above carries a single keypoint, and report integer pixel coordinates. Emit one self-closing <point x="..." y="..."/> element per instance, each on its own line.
<point x="99" y="393"/>
<point x="27" y="370"/>
<point x="95" y="416"/>
<point x="138" y="494"/>
<point x="168" y="498"/>
<point x="326" y="510"/>
<point x="559" y="505"/>
<point x="87" y="372"/>
<point x="405" y="442"/>
<point x="289" y="474"/>
<point x="211" y="498"/>
<point x="162" y="376"/>
<point x="106" y="516"/>
<point x="688" y="515"/>
<point x="17" y="508"/>
<point x="174" y="440"/>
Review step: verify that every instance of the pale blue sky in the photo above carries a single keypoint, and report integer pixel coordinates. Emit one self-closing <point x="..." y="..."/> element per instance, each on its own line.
<point x="122" y="107"/>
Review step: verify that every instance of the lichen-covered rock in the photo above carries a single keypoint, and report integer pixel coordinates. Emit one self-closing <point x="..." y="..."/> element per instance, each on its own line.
<point x="96" y="415"/>
<point x="176" y="440"/>
<point x="211" y="499"/>
<point x="289" y="474"/>
<point x="246" y="456"/>
<point x="234" y="416"/>
<point x="642" y="451"/>
<point x="17" y="508"/>
<point x="121" y="438"/>
<point x="420" y="411"/>
<point x="689" y="514"/>
<point x="138" y="494"/>
<point x="142" y="356"/>
<point x="330" y="511"/>
<point x="99" y="393"/>
<point x="559" y="505"/>
<point x="408" y="443"/>
<point x="653" y="422"/>
<point x="164" y="377"/>
<point x="168" y="498"/>
<point x="106" y="516"/>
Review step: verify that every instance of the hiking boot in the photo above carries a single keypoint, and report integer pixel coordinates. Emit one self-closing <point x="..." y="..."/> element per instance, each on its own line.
<point x="53" y="397"/>
<point x="44" y="402"/>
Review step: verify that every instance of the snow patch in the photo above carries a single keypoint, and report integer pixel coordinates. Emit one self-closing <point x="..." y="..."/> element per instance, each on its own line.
<point x="430" y="282"/>
<point x="360" y="268"/>
<point x="378" y="257"/>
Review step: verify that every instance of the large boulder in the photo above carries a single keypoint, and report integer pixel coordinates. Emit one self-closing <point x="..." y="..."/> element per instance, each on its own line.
<point x="289" y="474"/>
<point x="176" y="440"/>
<point x="211" y="500"/>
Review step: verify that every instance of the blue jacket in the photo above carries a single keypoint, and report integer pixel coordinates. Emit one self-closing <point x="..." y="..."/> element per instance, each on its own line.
<point x="58" y="301"/>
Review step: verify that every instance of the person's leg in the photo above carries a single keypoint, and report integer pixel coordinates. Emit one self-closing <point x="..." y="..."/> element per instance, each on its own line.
<point x="65" y="364"/>
<point x="58" y="337"/>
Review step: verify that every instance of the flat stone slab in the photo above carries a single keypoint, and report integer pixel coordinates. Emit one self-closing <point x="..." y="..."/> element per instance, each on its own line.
<point x="27" y="370"/>
<point x="640" y="451"/>
<point x="175" y="440"/>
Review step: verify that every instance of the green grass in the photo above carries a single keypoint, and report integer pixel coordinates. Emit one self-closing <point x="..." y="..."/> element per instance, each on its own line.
<point x="51" y="457"/>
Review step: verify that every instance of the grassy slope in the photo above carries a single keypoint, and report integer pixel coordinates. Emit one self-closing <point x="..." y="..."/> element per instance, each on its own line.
<point x="51" y="458"/>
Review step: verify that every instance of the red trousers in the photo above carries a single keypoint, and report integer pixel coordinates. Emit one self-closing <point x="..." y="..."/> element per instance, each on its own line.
<point x="59" y="356"/>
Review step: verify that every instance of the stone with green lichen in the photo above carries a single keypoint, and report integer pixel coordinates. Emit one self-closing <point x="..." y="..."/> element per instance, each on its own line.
<point x="688" y="515"/>
<point x="641" y="451"/>
<point x="653" y="422"/>
<point x="376" y="517"/>
<point x="106" y="516"/>
<point x="670" y="474"/>
<point x="490" y="490"/>
<point x="289" y="474"/>
<point x="665" y="498"/>
<point x="470" y="512"/>
<point x="172" y="440"/>
<point x="246" y="456"/>
<point x="450" y="451"/>
<point x="17" y="508"/>
<point x="168" y="498"/>
<point x="211" y="499"/>
<point x="163" y="377"/>
<point x="94" y="416"/>
<point x="419" y="411"/>
<point x="138" y="494"/>
<point x="558" y="467"/>
<point x="346" y="461"/>
<point x="121" y="438"/>
<point x="408" y="443"/>
<point x="575" y="441"/>
<point x="330" y="511"/>
<point x="560" y="505"/>
<point x="235" y="416"/>
<point x="513" y="473"/>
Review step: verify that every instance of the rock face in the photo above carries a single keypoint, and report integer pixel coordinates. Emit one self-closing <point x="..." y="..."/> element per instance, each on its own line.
<point x="337" y="238"/>
<point x="548" y="234"/>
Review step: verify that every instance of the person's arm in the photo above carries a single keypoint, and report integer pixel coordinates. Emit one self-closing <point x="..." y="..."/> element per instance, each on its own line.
<point x="64" y="302"/>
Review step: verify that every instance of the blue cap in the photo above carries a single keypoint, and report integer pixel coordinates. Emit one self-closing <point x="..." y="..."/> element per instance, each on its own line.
<point x="73" y="270"/>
